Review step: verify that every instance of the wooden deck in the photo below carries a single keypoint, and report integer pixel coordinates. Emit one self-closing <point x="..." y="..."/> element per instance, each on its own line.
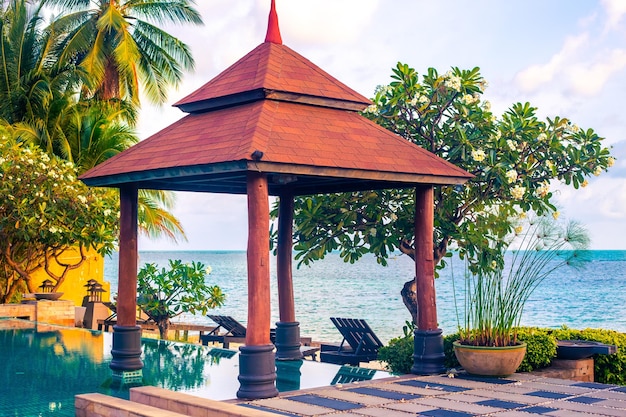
<point x="181" y="330"/>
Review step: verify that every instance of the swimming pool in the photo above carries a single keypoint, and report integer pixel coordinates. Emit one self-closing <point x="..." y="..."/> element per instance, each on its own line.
<point x="45" y="366"/>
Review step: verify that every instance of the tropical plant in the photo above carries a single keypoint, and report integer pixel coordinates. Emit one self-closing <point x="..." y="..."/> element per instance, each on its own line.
<point x="44" y="212"/>
<point x="167" y="293"/>
<point x="39" y="100"/>
<point x="35" y="86"/>
<point x="491" y="303"/>
<point x="119" y="44"/>
<point x="515" y="159"/>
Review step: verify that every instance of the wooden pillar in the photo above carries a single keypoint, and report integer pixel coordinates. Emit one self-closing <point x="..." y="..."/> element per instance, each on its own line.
<point x="424" y="259"/>
<point x="258" y="258"/>
<point x="127" y="283"/>
<point x="287" y="329"/>
<point x="257" y="369"/>
<point x="126" y="349"/>
<point x="283" y="260"/>
<point x="428" y="355"/>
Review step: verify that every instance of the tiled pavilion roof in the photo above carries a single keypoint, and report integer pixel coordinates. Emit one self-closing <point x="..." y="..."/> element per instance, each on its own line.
<point x="276" y="112"/>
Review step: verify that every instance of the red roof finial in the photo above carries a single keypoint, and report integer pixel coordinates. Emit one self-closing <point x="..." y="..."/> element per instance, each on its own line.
<point x="273" y="31"/>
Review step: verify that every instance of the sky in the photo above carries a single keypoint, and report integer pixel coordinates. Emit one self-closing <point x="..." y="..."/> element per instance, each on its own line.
<point x="567" y="58"/>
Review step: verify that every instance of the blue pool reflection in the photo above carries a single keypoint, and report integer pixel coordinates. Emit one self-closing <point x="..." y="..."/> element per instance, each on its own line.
<point x="44" y="366"/>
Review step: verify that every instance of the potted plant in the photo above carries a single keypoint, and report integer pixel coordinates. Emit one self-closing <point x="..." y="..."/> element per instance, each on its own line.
<point x="494" y="298"/>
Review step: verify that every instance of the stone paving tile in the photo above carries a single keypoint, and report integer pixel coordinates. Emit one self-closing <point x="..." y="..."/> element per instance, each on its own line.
<point x="540" y="409"/>
<point x="410" y="407"/>
<point x="289" y="406"/>
<point x="457" y="406"/>
<point x="569" y="413"/>
<point x="467" y="398"/>
<point x="514" y="413"/>
<point x="465" y="383"/>
<point x="585" y="399"/>
<point x="612" y="403"/>
<point x="549" y="395"/>
<point x="347" y="415"/>
<point x="432" y="385"/>
<point x="564" y="389"/>
<point x="346" y="395"/>
<point x="313" y="399"/>
<point x="612" y="395"/>
<point x="267" y="410"/>
<point x="427" y="392"/>
<point x="486" y="379"/>
<point x="520" y="398"/>
<point x="382" y="393"/>
<point x="512" y="388"/>
<point x="594" y="385"/>
<point x="555" y="381"/>
<point x="591" y="409"/>
<point x="446" y="413"/>
<point x="507" y="405"/>
<point x="525" y="376"/>
<point x="388" y="412"/>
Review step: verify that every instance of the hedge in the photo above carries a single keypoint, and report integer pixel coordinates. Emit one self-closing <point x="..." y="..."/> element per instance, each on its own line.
<point x="541" y="350"/>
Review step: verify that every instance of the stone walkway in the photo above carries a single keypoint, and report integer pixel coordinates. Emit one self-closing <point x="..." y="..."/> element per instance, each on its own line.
<point x="440" y="396"/>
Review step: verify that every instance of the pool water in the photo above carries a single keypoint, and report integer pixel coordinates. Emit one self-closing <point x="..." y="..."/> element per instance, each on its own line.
<point x="45" y="366"/>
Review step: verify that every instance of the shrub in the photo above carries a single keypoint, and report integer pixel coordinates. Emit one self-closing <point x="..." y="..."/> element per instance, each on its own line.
<point x="448" y="350"/>
<point x="398" y="355"/>
<point x="540" y="348"/>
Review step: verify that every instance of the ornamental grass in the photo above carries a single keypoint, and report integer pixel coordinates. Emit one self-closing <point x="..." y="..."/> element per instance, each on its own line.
<point x="493" y="299"/>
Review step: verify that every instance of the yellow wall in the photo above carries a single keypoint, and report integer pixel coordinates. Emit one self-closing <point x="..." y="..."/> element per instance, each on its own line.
<point x="73" y="288"/>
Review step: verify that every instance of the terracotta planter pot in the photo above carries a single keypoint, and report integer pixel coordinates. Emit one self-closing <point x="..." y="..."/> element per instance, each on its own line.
<point x="488" y="360"/>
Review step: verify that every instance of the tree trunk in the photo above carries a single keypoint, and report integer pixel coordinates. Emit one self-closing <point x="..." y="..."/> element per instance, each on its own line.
<point x="409" y="297"/>
<point x="409" y="290"/>
<point x="164" y="326"/>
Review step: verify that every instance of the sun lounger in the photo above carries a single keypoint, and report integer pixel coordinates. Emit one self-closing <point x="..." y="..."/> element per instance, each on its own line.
<point x="359" y="344"/>
<point x="234" y="332"/>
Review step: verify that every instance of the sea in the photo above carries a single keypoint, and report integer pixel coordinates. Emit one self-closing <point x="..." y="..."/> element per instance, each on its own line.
<point x="590" y="295"/>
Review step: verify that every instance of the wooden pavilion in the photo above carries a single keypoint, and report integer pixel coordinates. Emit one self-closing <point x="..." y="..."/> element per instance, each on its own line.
<point x="273" y="124"/>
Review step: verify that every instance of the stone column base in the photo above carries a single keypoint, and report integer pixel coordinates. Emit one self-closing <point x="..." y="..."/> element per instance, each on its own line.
<point x="257" y="372"/>
<point x="288" y="341"/>
<point x="126" y="350"/>
<point x="428" y="356"/>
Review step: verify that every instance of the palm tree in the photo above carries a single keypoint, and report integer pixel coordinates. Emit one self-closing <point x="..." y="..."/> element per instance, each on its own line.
<point x="34" y="83"/>
<point x="118" y="46"/>
<point x="39" y="101"/>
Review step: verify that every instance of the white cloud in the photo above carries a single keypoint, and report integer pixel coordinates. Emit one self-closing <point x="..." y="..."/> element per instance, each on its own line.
<point x="603" y="198"/>
<point x="588" y="78"/>
<point x="536" y="76"/>
<point x="615" y="10"/>
<point x="324" y="21"/>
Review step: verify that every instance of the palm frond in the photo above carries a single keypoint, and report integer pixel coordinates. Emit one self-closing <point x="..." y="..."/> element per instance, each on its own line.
<point x="156" y="222"/>
<point x="173" y="11"/>
<point x="70" y="5"/>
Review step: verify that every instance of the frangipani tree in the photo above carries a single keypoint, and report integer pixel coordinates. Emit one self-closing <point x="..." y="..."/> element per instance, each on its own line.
<point x="44" y="211"/>
<point x="516" y="159"/>
<point x="165" y="293"/>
